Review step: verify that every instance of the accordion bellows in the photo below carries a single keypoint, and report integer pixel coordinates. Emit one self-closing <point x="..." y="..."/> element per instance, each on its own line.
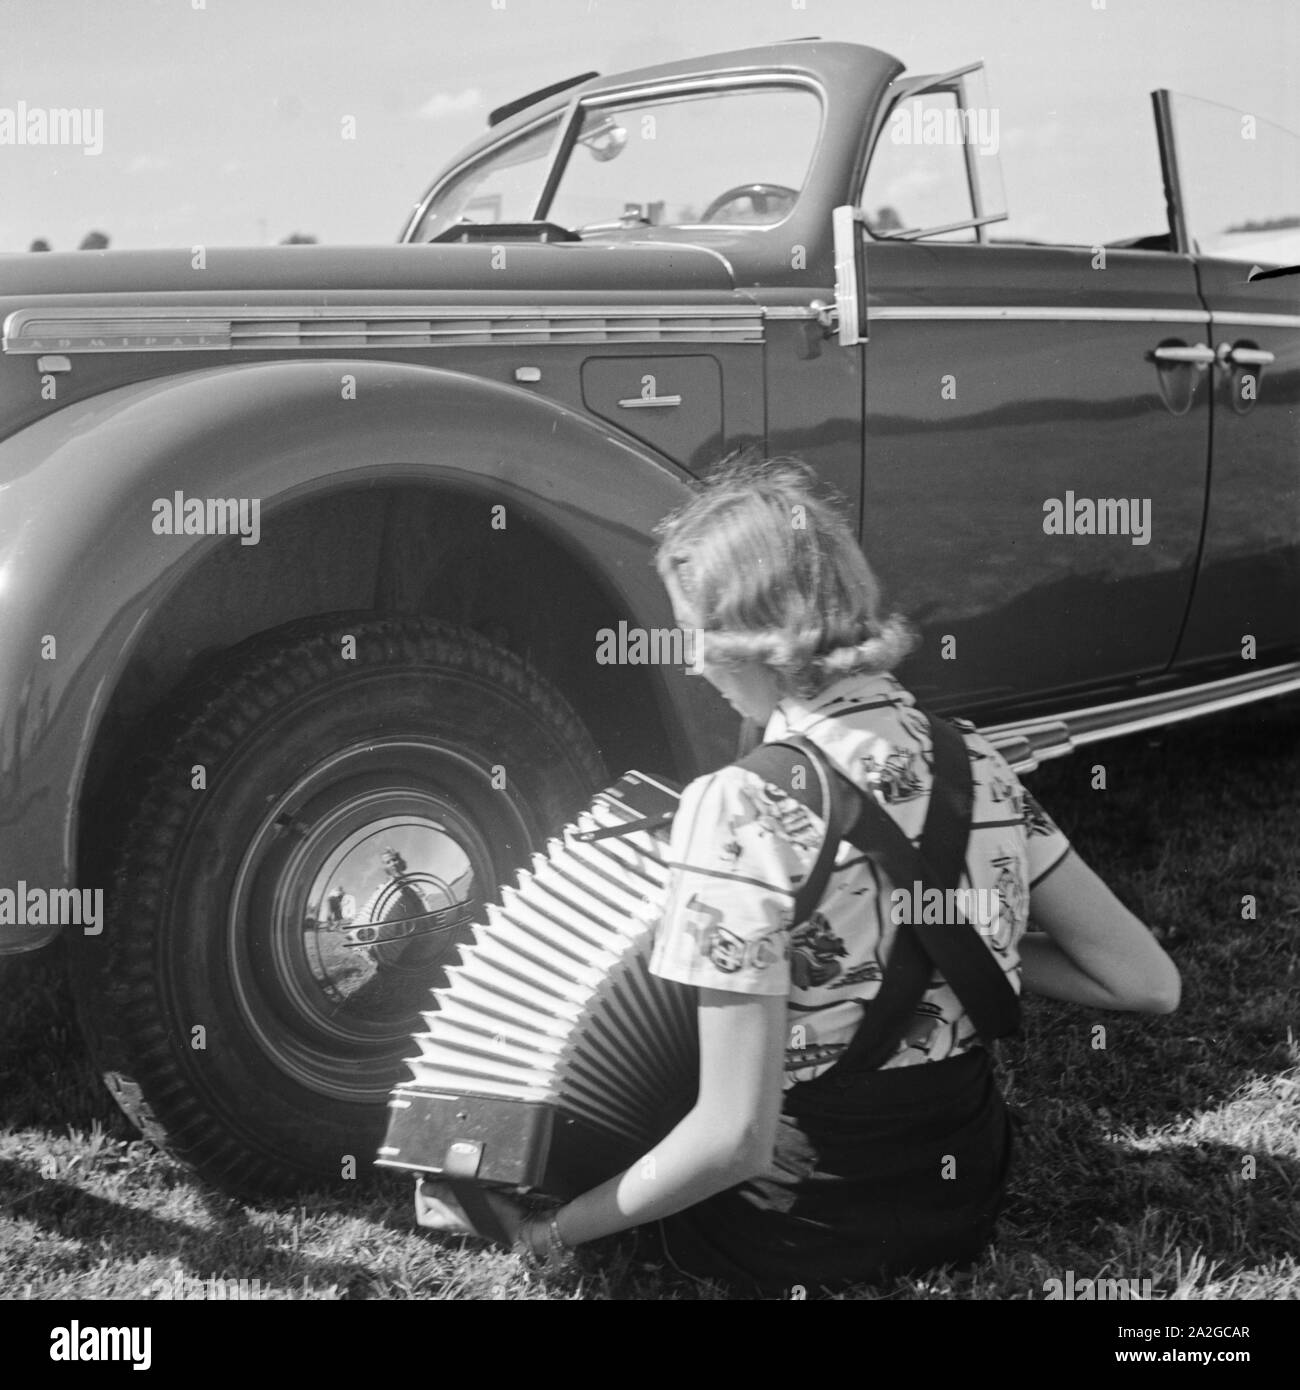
<point x="553" y="1055"/>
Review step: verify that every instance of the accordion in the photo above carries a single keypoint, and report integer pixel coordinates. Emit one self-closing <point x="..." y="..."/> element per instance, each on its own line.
<point x="553" y="1058"/>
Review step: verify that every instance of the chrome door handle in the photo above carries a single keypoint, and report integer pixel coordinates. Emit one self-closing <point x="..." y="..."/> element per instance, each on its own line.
<point x="1199" y="356"/>
<point x="649" y="402"/>
<point x="1243" y="356"/>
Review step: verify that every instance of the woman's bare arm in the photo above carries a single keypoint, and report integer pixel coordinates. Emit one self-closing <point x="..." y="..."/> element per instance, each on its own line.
<point x="1091" y="949"/>
<point x="727" y="1136"/>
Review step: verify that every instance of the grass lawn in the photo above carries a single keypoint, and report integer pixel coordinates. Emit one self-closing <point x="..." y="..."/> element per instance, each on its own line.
<point x="1171" y="1155"/>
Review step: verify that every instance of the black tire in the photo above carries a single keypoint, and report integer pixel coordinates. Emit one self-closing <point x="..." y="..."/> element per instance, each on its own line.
<point x="426" y="767"/>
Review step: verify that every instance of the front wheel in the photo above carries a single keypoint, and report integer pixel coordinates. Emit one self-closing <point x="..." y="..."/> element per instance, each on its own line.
<point x="307" y="841"/>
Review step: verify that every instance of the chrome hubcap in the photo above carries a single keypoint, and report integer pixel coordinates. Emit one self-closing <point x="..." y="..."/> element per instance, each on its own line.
<point x="350" y="902"/>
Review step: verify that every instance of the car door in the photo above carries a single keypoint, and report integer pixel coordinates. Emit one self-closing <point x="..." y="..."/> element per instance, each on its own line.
<point x="1236" y="186"/>
<point x="1035" y="440"/>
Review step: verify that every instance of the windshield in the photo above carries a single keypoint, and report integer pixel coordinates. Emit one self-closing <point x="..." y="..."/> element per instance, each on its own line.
<point x="733" y="157"/>
<point x="502" y="187"/>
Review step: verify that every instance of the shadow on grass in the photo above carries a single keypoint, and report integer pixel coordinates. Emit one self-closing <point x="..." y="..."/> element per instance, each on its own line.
<point x="1076" y="1195"/>
<point x="113" y="1230"/>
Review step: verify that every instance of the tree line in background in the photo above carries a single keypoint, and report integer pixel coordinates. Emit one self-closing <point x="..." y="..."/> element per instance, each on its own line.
<point x="98" y="241"/>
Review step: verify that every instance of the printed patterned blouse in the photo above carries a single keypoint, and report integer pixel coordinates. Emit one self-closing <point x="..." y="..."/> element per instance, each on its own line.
<point x="740" y="848"/>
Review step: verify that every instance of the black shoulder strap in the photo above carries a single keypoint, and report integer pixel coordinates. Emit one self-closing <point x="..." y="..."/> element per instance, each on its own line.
<point x="954" y="948"/>
<point x="786" y="764"/>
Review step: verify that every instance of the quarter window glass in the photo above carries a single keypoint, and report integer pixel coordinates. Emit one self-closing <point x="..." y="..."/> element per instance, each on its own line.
<point x="1240" y="180"/>
<point x="736" y="157"/>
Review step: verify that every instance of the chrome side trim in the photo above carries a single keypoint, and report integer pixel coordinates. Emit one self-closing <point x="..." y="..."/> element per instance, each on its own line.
<point x="1026" y="743"/>
<point x="186" y="329"/>
<point x="1259" y="320"/>
<point x="1037" y="312"/>
<point x="180" y="328"/>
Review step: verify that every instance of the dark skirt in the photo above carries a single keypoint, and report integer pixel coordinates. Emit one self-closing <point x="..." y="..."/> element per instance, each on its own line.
<point x="875" y="1174"/>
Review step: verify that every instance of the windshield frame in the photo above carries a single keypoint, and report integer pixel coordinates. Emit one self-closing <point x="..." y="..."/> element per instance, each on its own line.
<point x="571" y="117"/>
<point x="562" y="115"/>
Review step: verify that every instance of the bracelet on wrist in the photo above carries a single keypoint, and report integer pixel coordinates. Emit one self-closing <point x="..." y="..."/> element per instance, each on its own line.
<point x="541" y="1244"/>
<point x="527" y="1245"/>
<point x="561" y="1250"/>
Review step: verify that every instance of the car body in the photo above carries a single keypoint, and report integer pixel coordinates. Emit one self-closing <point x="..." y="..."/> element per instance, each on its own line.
<point x="1075" y="467"/>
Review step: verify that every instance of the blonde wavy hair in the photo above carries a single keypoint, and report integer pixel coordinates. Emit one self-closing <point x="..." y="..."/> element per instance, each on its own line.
<point x="772" y="573"/>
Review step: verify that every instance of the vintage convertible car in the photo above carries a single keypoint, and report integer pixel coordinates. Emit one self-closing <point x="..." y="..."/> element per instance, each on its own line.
<point x="306" y="554"/>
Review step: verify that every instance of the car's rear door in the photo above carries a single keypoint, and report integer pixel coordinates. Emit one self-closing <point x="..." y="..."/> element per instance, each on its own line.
<point x="1235" y="186"/>
<point x="1036" y="442"/>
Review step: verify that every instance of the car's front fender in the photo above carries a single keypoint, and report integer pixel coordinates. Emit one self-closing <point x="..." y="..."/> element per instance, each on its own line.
<point x="82" y="569"/>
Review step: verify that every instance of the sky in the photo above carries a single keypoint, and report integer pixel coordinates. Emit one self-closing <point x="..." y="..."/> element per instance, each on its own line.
<point x="238" y="122"/>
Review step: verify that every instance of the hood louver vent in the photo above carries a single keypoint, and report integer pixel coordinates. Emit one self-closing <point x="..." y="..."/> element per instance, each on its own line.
<point x="140" y="330"/>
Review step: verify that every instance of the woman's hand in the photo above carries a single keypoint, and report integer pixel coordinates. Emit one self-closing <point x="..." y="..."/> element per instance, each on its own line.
<point x="440" y="1211"/>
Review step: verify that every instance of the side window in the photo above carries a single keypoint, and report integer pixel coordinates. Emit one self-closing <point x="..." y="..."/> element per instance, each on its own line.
<point x="1239" y="177"/>
<point x="911" y="184"/>
<point x="934" y="170"/>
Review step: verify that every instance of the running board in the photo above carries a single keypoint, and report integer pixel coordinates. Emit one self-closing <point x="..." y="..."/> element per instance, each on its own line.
<point x="1027" y="742"/>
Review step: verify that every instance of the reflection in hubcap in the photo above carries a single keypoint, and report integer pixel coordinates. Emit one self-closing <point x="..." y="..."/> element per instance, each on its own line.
<point x="394" y="896"/>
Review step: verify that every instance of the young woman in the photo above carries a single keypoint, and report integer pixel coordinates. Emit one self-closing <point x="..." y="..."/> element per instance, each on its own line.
<point x="788" y="1171"/>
